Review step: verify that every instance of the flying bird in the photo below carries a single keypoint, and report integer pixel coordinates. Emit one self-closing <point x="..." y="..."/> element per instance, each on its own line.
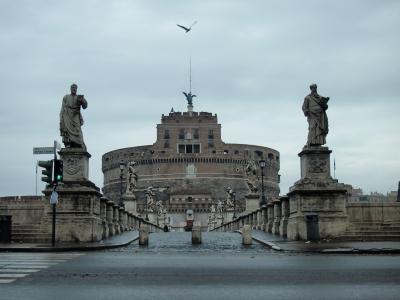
<point x="186" y="28"/>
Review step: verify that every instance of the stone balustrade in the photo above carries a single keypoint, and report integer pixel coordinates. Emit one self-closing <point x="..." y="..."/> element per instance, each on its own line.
<point x="272" y="218"/>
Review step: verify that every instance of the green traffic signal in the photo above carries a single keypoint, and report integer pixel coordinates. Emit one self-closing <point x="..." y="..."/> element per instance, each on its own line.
<point x="58" y="171"/>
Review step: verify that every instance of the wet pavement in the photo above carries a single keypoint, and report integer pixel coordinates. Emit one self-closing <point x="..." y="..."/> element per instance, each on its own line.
<point x="180" y="242"/>
<point x="327" y="246"/>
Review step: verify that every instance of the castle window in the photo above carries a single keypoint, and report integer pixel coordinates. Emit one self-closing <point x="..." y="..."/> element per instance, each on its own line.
<point x="196" y="148"/>
<point x="181" y="148"/>
<point x="258" y="153"/>
<point x="181" y="134"/>
<point x="195" y="133"/>
<point x="166" y="134"/>
<point x="211" y="134"/>
<point x="166" y="144"/>
<point x="210" y="144"/>
<point x="236" y="151"/>
<point x="270" y="156"/>
<point x="189" y="148"/>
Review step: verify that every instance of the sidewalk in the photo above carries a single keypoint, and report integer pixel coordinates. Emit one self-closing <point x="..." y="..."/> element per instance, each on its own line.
<point x="325" y="246"/>
<point x="120" y="240"/>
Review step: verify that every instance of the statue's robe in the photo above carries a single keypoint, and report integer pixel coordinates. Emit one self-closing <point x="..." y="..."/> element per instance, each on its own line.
<point x="314" y="108"/>
<point x="71" y="121"/>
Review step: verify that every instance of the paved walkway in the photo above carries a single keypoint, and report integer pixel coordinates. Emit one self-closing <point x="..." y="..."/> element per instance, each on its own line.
<point x="325" y="246"/>
<point x="120" y="240"/>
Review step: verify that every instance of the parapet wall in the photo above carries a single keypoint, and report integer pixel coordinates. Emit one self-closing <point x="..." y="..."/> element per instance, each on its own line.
<point x="373" y="212"/>
<point x="23" y="209"/>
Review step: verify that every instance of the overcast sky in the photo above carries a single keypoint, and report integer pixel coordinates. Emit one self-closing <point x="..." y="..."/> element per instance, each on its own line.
<point x="253" y="62"/>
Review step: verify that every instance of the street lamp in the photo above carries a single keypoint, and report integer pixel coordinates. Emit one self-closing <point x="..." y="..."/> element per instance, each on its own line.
<point x="234" y="205"/>
<point x="263" y="200"/>
<point x="121" y="168"/>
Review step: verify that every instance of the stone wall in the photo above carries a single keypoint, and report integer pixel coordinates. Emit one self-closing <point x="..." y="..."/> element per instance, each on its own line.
<point x="385" y="212"/>
<point x="23" y="209"/>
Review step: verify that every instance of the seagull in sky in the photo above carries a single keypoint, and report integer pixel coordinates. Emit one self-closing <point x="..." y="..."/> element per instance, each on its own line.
<point x="186" y="28"/>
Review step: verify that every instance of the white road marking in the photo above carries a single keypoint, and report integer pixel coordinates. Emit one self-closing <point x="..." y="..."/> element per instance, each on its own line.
<point x="12" y="275"/>
<point x="16" y="265"/>
<point x="6" y="280"/>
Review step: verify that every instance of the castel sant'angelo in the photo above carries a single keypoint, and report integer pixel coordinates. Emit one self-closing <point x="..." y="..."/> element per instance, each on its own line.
<point x="190" y="167"/>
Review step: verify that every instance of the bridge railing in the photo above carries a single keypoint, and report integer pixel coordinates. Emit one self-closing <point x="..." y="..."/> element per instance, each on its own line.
<point x="117" y="219"/>
<point x="272" y="218"/>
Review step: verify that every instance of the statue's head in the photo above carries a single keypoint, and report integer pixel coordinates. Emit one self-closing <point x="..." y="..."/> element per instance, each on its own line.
<point x="74" y="88"/>
<point x="313" y="87"/>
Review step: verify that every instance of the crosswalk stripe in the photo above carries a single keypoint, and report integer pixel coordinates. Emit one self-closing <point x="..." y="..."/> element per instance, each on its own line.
<point x="10" y="270"/>
<point x="12" y="275"/>
<point x="7" y="280"/>
<point x="14" y="266"/>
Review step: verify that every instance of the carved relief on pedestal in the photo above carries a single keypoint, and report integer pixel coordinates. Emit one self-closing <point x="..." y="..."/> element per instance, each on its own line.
<point x="317" y="165"/>
<point x="73" y="165"/>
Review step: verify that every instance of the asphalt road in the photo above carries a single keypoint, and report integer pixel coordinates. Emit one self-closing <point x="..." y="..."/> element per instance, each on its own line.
<point x="220" y="268"/>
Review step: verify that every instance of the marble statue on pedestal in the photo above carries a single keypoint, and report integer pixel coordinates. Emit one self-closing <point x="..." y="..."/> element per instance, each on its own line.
<point x="252" y="177"/>
<point x="71" y="119"/>
<point x="314" y="108"/>
<point x="132" y="178"/>
<point x="230" y="197"/>
<point x="149" y="198"/>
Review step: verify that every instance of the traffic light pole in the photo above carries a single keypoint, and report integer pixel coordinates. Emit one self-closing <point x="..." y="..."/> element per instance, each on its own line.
<point x="53" y="232"/>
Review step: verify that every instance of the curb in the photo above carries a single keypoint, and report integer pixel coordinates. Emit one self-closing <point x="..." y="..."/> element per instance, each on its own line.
<point x="68" y="248"/>
<point x="268" y="244"/>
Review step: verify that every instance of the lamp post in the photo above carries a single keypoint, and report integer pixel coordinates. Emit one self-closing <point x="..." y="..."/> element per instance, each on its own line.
<point x="263" y="201"/>
<point x="146" y="207"/>
<point x="234" y="206"/>
<point x="121" y="168"/>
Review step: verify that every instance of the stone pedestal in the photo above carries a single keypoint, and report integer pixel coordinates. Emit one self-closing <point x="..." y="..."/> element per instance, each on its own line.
<point x="130" y="203"/>
<point x="252" y="202"/>
<point x="75" y="164"/>
<point x="246" y="235"/>
<point x="78" y="216"/>
<point x="316" y="193"/>
<point x="228" y="215"/>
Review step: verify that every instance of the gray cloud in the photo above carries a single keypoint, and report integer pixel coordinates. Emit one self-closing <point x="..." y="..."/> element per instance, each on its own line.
<point x="252" y="64"/>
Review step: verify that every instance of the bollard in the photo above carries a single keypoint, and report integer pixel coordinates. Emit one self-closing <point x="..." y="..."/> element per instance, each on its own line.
<point x="246" y="235"/>
<point x="143" y="235"/>
<point x="196" y="235"/>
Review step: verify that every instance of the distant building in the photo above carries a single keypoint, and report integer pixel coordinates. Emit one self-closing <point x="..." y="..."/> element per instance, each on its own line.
<point x="356" y="195"/>
<point x="190" y="167"/>
<point x="392" y="196"/>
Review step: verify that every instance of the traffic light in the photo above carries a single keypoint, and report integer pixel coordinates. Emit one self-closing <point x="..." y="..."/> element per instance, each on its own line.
<point x="48" y="170"/>
<point x="58" y="171"/>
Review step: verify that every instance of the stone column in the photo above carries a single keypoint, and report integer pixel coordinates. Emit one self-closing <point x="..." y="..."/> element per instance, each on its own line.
<point x="110" y="217"/>
<point x="264" y="218"/>
<point x="270" y="212"/>
<point x="285" y="216"/>
<point x="277" y="216"/>
<point x="103" y="216"/>
<point x="116" y="219"/>
<point x="143" y="235"/>
<point x="121" y="219"/>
